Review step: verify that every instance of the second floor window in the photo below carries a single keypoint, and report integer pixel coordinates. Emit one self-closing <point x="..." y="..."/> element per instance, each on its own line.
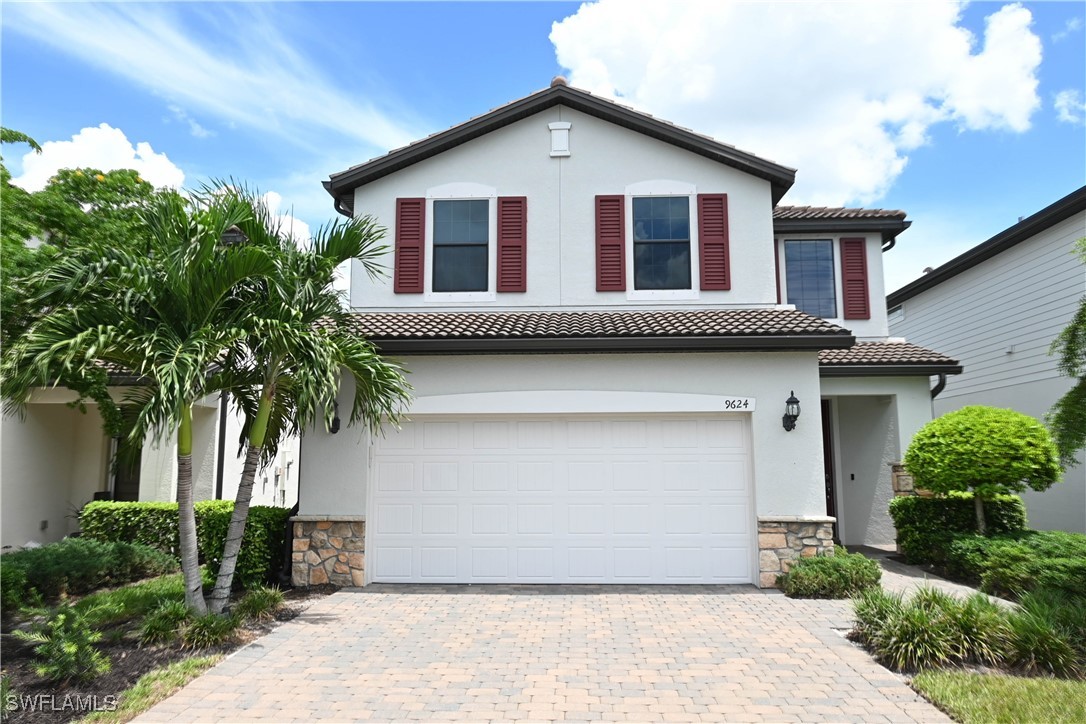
<point x="810" y="276"/>
<point x="661" y="242"/>
<point x="461" y="241"/>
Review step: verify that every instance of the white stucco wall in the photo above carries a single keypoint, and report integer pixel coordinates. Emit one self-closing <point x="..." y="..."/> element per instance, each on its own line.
<point x="874" y="420"/>
<point x="604" y="159"/>
<point x="787" y="465"/>
<point x="51" y="464"/>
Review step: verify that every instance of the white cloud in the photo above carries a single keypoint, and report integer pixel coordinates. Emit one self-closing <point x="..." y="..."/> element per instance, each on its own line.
<point x="232" y="61"/>
<point x="104" y="148"/>
<point x="1070" y="107"/>
<point x="1073" y="25"/>
<point x="195" y="128"/>
<point x="841" y="91"/>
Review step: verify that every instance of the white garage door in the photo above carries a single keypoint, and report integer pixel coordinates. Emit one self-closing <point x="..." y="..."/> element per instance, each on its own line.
<point x="573" y="498"/>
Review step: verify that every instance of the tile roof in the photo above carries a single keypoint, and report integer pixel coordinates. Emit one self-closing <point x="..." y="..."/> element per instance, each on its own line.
<point x="557" y="325"/>
<point x="806" y="213"/>
<point x="884" y="353"/>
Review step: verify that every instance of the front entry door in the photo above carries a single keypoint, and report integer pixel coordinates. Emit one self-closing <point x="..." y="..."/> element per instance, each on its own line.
<point x="827" y="457"/>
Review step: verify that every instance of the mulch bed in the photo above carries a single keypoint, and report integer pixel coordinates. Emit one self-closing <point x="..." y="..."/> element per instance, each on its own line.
<point x="48" y="702"/>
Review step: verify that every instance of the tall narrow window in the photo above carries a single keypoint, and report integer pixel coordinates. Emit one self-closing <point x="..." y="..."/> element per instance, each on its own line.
<point x="809" y="275"/>
<point x="661" y="241"/>
<point x="461" y="238"/>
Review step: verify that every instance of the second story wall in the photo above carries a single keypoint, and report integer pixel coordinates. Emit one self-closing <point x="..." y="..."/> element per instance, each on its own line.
<point x="525" y="160"/>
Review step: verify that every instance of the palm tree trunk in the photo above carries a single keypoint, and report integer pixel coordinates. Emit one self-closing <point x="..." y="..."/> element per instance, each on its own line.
<point x="190" y="560"/>
<point x="220" y="595"/>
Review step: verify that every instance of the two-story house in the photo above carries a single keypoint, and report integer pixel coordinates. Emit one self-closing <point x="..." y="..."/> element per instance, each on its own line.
<point x="630" y="365"/>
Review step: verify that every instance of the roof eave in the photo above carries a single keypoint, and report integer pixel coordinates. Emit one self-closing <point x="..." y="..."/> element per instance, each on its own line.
<point x="888" y="228"/>
<point x="1049" y="216"/>
<point x="339" y="185"/>
<point x="551" y="345"/>
<point x="888" y="370"/>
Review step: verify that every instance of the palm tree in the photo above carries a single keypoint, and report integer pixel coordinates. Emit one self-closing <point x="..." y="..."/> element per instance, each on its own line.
<point x="298" y="346"/>
<point x="167" y="308"/>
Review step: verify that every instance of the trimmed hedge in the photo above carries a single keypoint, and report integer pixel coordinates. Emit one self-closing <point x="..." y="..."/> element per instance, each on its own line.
<point x="155" y="524"/>
<point x="1015" y="564"/>
<point x="926" y="527"/>
<point x="75" y="565"/>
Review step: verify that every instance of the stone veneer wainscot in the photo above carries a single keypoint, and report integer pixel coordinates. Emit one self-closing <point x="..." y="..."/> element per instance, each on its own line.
<point x="783" y="540"/>
<point x="328" y="549"/>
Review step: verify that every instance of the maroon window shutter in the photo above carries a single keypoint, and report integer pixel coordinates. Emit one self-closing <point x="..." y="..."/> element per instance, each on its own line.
<point x="777" y="267"/>
<point x="716" y="270"/>
<point x="410" y="241"/>
<point x="610" y="243"/>
<point x="854" y="278"/>
<point x="512" y="244"/>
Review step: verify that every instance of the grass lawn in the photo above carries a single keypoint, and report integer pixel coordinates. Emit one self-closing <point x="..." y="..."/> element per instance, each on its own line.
<point x="154" y="687"/>
<point x="970" y="697"/>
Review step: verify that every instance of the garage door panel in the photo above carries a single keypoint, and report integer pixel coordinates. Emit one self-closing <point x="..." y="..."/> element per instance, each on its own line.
<point x="491" y="476"/>
<point x="442" y="476"/>
<point x="535" y="476"/>
<point x="549" y="499"/>
<point x="441" y="436"/>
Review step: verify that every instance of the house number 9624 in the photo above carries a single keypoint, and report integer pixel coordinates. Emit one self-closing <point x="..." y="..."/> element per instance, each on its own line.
<point x="738" y="403"/>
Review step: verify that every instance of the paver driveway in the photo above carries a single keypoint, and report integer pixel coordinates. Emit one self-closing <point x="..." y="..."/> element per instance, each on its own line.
<point x="553" y="653"/>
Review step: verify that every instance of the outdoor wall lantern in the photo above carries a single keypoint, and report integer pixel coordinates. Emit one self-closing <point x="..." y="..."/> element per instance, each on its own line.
<point x="334" y="427"/>
<point x="791" y="412"/>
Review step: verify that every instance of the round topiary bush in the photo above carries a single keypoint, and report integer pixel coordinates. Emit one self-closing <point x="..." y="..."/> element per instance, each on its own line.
<point x="986" y="450"/>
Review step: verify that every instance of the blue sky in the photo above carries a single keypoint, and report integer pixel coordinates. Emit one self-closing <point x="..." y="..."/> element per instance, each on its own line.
<point x="967" y="117"/>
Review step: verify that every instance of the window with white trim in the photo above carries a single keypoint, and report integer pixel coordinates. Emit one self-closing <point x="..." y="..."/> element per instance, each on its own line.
<point x="661" y="242"/>
<point x="461" y="242"/>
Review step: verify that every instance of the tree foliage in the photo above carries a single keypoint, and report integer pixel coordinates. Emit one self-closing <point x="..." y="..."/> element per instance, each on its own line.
<point x="1067" y="418"/>
<point x="986" y="450"/>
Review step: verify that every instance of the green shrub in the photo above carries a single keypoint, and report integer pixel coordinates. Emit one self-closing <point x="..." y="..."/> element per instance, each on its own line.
<point x="155" y="524"/>
<point x="1014" y="564"/>
<point x="205" y="632"/>
<point x="261" y="547"/>
<point x="841" y="575"/>
<point x="259" y="604"/>
<point x="165" y="622"/>
<point x="64" y="649"/>
<point x="77" y="566"/>
<point x="14" y="590"/>
<point x="927" y="527"/>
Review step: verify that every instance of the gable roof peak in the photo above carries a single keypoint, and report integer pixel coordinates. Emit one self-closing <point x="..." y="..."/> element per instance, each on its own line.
<point x="341" y="185"/>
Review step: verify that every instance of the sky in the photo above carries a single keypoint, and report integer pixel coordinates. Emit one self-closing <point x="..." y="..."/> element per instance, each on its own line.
<point x="966" y="116"/>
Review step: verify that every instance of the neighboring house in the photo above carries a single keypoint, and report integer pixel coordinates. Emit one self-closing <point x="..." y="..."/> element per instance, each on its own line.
<point x="57" y="459"/>
<point x="603" y="316"/>
<point x="998" y="307"/>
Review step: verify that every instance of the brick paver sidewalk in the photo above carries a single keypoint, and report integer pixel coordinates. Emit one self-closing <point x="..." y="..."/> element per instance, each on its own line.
<point x="489" y="653"/>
